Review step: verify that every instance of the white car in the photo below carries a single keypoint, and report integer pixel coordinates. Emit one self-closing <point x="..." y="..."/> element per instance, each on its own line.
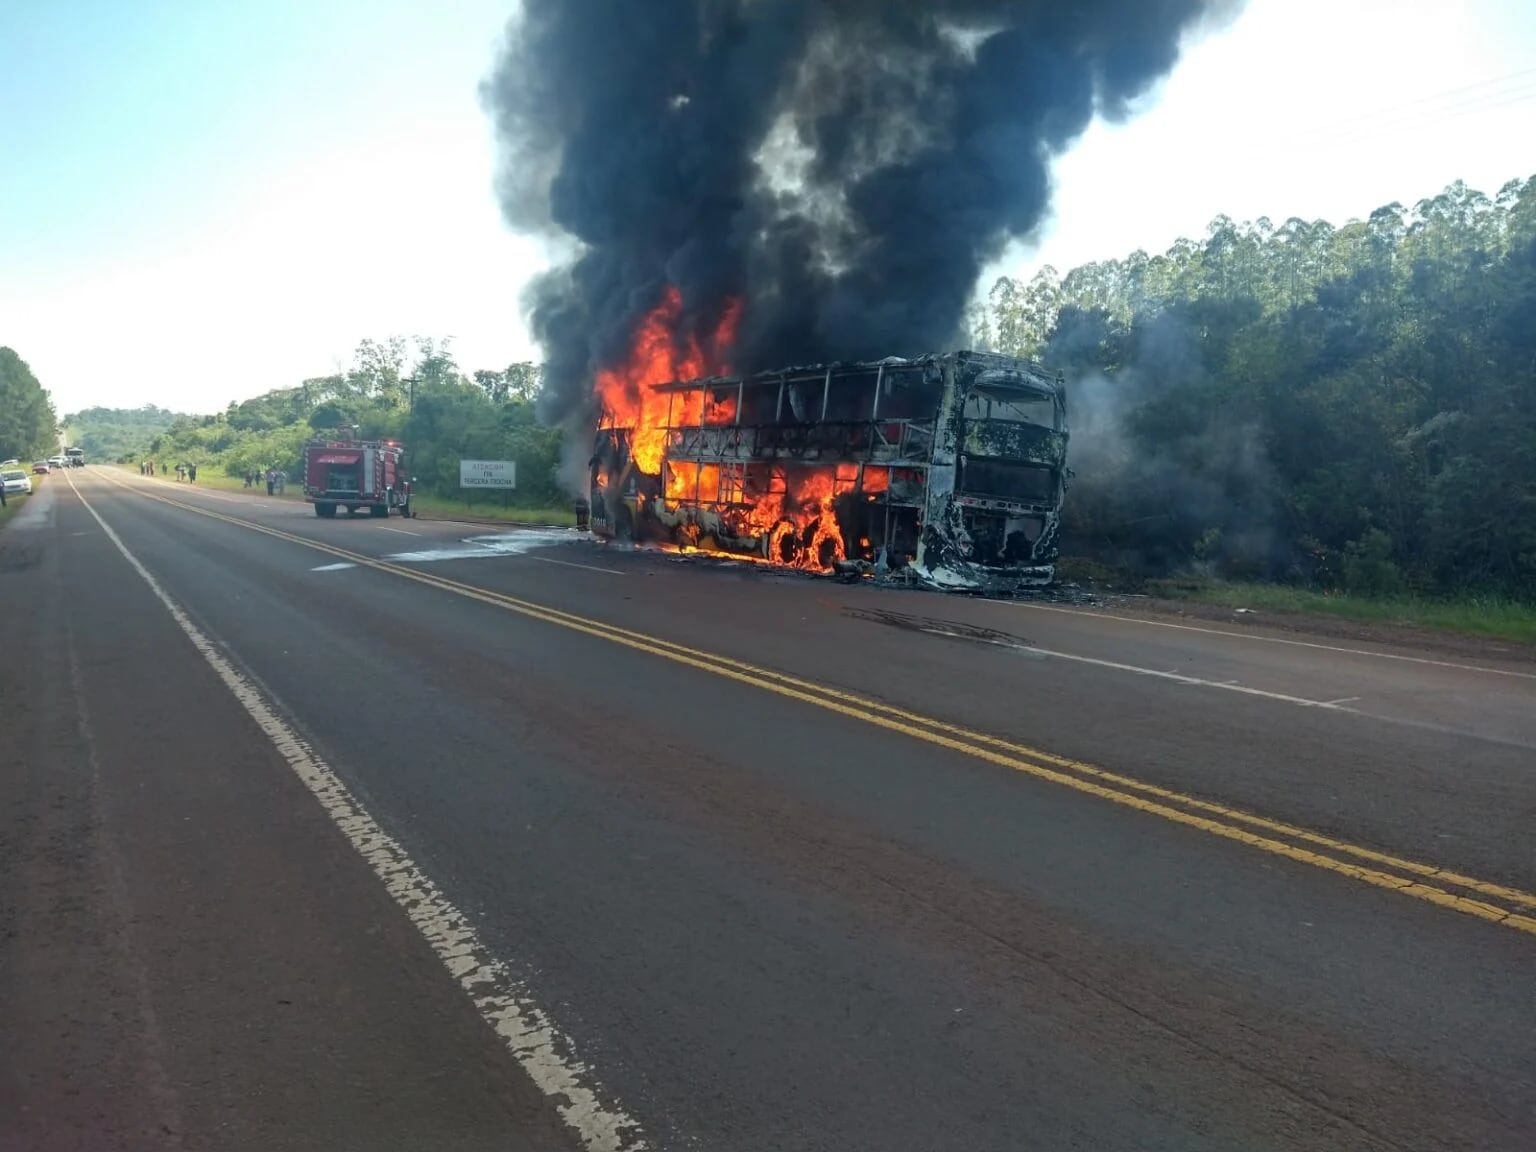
<point x="16" y="481"/>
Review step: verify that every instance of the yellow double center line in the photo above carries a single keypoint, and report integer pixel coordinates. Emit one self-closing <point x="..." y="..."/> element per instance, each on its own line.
<point x="1514" y="908"/>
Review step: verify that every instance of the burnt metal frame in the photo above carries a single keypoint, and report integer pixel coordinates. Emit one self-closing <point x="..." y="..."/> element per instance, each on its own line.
<point x="918" y="444"/>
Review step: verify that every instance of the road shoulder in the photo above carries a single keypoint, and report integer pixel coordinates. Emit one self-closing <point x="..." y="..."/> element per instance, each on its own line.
<point x="1403" y="638"/>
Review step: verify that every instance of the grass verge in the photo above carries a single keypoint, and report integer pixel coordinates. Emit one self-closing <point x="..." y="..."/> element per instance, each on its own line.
<point x="211" y="479"/>
<point x="228" y="483"/>
<point x="13" y="503"/>
<point x="426" y="505"/>
<point x="439" y="506"/>
<point x="15" y="500"/>
<point x="1472" y="615"/>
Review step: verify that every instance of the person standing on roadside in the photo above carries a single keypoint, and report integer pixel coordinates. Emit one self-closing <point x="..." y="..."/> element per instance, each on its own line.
<point x="271" y="481"/>
<point x="192" y="473"/>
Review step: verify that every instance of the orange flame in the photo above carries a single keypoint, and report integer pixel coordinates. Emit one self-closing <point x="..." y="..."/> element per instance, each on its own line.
<point x="795" y="516"/>
<point x="628" y="391"/>
<point x="799" y="523"/>
<point x="689" y="481"/>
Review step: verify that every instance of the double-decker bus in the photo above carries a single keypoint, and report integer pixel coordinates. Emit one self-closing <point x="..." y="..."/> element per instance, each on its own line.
<point x="945" y="470"/>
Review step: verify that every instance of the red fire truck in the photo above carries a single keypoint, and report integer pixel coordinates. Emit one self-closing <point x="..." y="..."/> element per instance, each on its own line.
<point x="340" y="472"/>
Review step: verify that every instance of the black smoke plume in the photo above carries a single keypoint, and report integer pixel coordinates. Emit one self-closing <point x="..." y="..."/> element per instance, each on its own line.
<point x="844" y="167"/>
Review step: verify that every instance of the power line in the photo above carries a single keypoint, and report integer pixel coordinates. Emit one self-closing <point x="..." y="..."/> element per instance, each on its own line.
<point x="1489" y="102"/>
<point x="1525" y="75"/>
<point x="1501" y="92"/>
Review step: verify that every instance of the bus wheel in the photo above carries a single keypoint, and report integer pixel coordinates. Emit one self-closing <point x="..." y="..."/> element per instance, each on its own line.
<point x="783" y="544"/>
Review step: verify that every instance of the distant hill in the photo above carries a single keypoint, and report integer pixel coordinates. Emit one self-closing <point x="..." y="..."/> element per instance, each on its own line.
<point x="111" y="433"/>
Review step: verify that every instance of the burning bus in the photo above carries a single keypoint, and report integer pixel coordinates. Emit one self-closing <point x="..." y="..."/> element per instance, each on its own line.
<point x="945" y="470"/>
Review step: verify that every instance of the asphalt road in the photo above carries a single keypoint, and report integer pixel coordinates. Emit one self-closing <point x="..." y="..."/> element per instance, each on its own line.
<point x="377" y="835"/>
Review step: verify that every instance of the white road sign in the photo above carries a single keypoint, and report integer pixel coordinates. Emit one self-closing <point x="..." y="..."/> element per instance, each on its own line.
<point x="487" y="473"/>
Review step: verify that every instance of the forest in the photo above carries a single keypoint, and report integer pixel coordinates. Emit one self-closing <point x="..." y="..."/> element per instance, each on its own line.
<point x="1335" y="407"/>
<point x="408" y="390"/>
<point x="112" y="433"/>
<point x="28" y="425"/>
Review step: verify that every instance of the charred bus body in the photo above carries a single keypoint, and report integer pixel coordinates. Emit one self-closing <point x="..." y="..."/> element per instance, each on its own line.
<point x="946" y="470"/>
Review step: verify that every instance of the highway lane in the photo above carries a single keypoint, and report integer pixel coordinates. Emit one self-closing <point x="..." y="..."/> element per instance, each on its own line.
<point x="1427" y="757"/>
<point x="766" y="923"/>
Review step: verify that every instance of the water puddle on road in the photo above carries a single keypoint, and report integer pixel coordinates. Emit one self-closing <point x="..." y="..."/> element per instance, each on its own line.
<point x="516" y="543"/>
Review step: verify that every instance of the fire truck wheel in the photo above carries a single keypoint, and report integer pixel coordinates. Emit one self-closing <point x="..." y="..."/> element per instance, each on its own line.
<point x="326" y="510"/>
<point x="379" y="511"/>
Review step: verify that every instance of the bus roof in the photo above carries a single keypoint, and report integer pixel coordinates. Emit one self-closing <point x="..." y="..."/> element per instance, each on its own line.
<point x="996" y="367"/>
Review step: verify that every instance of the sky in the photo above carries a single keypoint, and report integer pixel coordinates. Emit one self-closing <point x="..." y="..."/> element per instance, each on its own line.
<point x="201" y="202"/>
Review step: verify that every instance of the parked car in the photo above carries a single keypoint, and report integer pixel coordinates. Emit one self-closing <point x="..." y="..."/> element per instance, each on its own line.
<point x="16" y="481"/>
<point x="41" y="468"/>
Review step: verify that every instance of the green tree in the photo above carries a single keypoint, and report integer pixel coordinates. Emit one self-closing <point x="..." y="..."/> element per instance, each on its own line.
<point x="378" y="370"/>
<point x="486" y="415"/>
<point x="28" y="424"/>
<point x="117" y="433"/>
<point x="1346" y="405"/>
<point x="525" y="380"/>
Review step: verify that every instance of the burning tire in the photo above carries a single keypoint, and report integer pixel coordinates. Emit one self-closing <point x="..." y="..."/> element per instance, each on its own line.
<point x="783" y="545"/>
<point x="810" y="546"/>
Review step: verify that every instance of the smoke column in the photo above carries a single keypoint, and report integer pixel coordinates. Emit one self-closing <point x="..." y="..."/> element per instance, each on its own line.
<point x="845" y="168"/>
